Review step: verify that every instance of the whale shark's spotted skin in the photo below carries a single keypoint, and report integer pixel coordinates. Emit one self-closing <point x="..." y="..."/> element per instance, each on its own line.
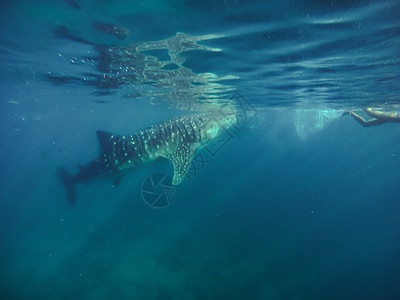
<point x="175" y="139"/>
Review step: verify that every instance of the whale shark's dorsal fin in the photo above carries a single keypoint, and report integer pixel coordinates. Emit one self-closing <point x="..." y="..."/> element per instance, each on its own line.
<point x="104" y="140"/>
<point x="181" y="159"/>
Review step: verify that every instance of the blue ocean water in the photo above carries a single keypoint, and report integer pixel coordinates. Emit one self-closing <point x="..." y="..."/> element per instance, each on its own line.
<point x="295" y="202"/>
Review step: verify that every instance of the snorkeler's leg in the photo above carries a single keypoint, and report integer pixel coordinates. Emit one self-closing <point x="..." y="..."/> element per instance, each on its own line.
<point x="363" y="122"/>
<point x="382" y="115"/>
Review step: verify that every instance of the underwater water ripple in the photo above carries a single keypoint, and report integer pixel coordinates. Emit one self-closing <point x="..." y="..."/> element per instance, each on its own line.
<point x="353" y="48"/>
<point x="291" y="54"/>
<point x="277" y="55"/>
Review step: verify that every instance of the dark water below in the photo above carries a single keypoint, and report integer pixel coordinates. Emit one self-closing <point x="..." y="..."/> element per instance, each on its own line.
<point x="299" y="203"/>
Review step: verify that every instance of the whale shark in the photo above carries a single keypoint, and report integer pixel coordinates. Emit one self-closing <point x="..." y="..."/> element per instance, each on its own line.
<point x="176" y="139"/>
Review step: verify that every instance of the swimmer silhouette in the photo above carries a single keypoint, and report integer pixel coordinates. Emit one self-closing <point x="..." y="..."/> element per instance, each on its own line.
<point x="378" y="117"/>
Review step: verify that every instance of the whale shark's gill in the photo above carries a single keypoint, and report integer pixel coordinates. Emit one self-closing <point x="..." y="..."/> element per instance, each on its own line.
<point x="176" y="139"/>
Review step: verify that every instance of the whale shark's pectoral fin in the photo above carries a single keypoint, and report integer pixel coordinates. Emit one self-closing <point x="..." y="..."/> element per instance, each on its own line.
<point x="181" y="159"/>
<point x="117" y="180"/>
<point x="104" y="140"/>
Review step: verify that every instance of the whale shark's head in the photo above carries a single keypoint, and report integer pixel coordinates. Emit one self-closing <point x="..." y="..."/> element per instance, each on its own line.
<point x="219" y="123"/>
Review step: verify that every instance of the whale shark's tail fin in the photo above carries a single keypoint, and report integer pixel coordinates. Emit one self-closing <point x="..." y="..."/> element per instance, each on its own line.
<point x="66" y="179"/>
